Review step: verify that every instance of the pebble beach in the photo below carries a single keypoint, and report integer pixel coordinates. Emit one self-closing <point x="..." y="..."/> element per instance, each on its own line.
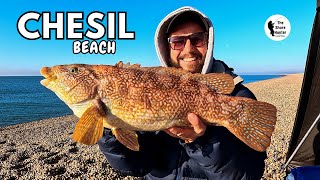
<point x="45" y="149"/>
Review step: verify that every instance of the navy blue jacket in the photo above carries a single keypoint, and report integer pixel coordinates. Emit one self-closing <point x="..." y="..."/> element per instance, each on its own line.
<point x="217" y="154"/>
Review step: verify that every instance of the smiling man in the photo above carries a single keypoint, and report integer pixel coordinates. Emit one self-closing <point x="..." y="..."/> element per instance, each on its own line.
<point x="188" y="46"/>
<point x="184" y="39"/>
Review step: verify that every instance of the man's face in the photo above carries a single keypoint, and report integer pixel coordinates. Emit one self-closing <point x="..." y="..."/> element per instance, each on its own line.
<point x="190" y="57"/>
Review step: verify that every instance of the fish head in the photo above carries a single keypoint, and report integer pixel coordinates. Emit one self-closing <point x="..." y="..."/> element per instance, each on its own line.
<point x="73" y="84"/>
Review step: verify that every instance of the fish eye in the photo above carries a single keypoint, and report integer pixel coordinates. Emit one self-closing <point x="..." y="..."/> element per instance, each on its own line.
<point x="73" y="70"/>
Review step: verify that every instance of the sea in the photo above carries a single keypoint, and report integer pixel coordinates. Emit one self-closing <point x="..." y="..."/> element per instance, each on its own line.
<point x="23" y="99"/>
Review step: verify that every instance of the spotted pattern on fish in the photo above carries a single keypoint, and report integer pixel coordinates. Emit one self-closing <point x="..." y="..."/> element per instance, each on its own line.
<point x="135" y="98"/>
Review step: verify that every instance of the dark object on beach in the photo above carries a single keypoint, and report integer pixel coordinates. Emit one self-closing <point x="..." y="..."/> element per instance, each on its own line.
<point x="304" y="149"/>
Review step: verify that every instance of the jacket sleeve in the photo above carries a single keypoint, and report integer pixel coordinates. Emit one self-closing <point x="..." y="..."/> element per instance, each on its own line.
<point x="125" y="161"/>
<point x="220" y="155"/>
<point x="242" y="91"/>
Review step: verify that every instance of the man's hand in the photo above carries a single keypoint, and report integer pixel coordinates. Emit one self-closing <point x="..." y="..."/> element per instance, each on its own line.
<point x="189" y="134"/>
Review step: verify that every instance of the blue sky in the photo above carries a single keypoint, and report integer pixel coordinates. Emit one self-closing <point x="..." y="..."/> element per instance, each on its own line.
<point x="240" y="39"/>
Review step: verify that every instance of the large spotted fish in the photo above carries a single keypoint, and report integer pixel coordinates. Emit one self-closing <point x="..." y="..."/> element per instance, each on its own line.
<point x="128" y="98"/>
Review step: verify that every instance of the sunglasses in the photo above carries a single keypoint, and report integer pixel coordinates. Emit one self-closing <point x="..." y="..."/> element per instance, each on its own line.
<point x="196" y="39"/>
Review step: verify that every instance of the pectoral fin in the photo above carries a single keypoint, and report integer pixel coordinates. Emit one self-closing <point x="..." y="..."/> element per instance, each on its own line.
<point x="89" y="128"/>
<point x="127" y="138"/>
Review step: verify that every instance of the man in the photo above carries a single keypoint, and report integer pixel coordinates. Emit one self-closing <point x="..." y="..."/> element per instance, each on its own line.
<point x="185" y="39"/>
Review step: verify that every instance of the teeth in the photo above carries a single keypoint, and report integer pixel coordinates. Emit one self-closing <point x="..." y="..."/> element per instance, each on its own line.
<point x="189" y="59"/>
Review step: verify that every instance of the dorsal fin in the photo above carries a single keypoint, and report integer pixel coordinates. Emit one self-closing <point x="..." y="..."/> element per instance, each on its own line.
<point x="120" y="64"/>
<point x="220" y="82"/>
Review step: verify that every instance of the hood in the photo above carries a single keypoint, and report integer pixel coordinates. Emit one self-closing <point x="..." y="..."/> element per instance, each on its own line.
<point x="161" y="42"/>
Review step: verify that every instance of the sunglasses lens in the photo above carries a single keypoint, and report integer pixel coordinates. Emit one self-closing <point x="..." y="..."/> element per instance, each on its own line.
<point x="198" y="39"/>
<point x="177" y="42"/>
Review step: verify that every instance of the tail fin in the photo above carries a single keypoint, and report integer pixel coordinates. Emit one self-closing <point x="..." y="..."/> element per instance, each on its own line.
<point x="254" y="124"/>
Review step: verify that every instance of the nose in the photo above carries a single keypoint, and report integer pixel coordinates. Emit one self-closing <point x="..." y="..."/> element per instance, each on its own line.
<point x="188" y="46"/>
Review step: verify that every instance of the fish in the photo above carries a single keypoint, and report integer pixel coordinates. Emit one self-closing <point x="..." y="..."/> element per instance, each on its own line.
<point x="129" y="98"/>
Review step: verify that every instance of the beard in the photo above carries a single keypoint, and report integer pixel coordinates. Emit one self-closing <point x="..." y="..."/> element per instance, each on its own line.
<point x="194" y="66"/>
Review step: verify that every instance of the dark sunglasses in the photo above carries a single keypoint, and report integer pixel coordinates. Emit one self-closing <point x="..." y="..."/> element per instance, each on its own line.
<point x="196" y="39"/>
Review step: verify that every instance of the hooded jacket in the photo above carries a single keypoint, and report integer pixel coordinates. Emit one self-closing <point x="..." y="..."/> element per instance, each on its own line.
<point x="217" y="154"/>
<point x="162" y="48"/>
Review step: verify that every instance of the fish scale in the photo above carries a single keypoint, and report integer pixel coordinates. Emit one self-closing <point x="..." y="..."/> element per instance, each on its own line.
<point x="128" y="98"/>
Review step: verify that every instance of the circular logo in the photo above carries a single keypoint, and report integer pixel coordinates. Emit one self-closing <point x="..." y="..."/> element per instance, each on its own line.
<point x="277" y="27"/>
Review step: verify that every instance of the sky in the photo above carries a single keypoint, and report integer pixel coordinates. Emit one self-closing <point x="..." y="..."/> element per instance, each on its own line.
<point x="240" y="39"/>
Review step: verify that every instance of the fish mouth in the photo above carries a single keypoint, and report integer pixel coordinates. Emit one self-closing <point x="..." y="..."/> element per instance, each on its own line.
<point x="48" y="74"/>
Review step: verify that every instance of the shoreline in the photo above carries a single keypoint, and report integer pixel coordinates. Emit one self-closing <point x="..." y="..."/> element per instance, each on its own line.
<point x="44" y="148"/>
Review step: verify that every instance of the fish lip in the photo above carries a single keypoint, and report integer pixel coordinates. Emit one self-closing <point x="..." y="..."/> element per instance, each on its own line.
<point x="48" y="74"/>
<point x="45" y="82"/>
